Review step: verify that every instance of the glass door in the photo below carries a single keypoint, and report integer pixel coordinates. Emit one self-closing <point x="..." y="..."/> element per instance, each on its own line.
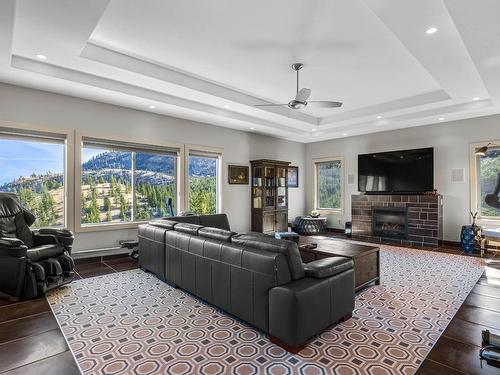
<point x="257" y="187"/>
<point x="281" y="197"/>
<point x="270" y="183"/>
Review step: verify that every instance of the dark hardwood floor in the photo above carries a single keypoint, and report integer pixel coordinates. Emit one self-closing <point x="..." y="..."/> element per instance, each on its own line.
<point x="31" y="341"/>
<point x="457" y="350"/>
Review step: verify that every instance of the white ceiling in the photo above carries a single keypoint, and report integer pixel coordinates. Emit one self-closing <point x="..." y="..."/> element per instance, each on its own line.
<point x="212" y="61"/>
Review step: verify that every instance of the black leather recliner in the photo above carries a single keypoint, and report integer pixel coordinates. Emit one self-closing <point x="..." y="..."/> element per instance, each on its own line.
<point x="31" y="261"/>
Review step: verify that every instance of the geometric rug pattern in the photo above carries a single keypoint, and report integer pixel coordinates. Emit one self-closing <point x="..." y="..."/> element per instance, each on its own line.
<point x="132" y="323"/>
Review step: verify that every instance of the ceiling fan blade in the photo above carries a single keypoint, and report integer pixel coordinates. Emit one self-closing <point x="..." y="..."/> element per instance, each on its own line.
<point x="303" y="95"/>
<point x="269" y="105"/>
<point x="323" y="104"/>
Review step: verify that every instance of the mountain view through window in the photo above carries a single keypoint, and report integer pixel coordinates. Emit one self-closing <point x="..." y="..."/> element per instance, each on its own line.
<point x="489" y="182"/>
<point x="34" y="170"/>
<point x="329" y="187"/>
<point x="203" y="184"/>
<point x="125" y="186"/>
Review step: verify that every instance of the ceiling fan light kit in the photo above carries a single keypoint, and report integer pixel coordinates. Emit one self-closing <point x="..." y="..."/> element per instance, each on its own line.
<point x="302" y="95"/>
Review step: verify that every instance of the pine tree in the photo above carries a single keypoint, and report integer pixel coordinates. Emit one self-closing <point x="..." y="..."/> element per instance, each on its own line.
<point x="109" y="216"/>
<point x="107" y="204"/>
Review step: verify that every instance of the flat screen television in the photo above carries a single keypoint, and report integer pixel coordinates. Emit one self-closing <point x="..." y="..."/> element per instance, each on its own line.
<point x="398" y="172"/>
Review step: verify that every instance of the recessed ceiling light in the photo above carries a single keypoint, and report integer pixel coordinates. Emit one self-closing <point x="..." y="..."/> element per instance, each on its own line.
<point x="227" y="106"/>
<point x="152" y="106"/>
<point x="252" y="128"/>
<point x="378" y="117"/>
<point x="42" y="57"/>
<point x="313" y="130"/>
<point x="476" y="98"/>
<point x="345" y="134"/>
<point x="431" y="30"/>
<point x="441" y="119"/>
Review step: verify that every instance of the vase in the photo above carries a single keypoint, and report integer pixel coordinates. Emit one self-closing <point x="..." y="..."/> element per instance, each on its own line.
<point x="467" y="238"/>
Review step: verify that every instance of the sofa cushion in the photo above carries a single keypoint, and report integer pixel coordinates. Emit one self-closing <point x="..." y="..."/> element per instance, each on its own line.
<point x="188" y="228"/>
<point x="193" y="219"/>
<point x="268" y="243"/>
<point x="326" y="267"/>
<point x="163" y="223"/>
<point x="215" y="221"/>
<point x="23" y="231"/>
<point x="216" y="234"/>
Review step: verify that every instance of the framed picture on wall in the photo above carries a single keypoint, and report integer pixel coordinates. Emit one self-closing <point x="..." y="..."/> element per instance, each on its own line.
<point x="238" y="174"/>
<point x="293" y="177"/>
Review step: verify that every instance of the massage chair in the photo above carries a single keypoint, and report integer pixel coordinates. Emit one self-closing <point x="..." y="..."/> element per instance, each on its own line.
<point x="32" y="262"/>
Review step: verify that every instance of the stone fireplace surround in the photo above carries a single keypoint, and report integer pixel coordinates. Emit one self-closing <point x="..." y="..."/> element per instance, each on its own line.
<point x="425" y="218"/>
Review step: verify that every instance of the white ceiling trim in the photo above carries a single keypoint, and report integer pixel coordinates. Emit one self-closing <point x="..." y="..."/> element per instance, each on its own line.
<point x="395" y="120"/>
<point x="129" y="62"/>
<point x="52" y="70"/>
<point x="403" y="103"/>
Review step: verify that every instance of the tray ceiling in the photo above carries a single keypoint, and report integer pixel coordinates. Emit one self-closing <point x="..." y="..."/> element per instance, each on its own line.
<point x="213" y="61"/>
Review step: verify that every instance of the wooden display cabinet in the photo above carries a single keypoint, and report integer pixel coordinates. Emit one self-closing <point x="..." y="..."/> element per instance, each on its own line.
<point x="269" y="195"/>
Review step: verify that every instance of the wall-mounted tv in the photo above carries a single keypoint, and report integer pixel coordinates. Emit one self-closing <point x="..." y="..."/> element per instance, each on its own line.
<point x="399" y="172"/>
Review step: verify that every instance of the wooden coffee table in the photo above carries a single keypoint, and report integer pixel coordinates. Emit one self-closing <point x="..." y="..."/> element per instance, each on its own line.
<point x="366" y="258"/>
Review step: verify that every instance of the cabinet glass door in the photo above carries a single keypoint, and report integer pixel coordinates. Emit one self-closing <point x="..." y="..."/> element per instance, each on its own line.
<point x="270" y="183"/>
<point x="257" y="187"/>
<point x="281" y="198"/>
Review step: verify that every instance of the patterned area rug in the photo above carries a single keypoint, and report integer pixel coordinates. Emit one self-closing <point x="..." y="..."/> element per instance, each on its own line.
<point x="132" y="323"/>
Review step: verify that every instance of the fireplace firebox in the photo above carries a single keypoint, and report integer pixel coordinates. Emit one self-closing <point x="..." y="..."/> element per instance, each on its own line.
<point x="390" y="222"/>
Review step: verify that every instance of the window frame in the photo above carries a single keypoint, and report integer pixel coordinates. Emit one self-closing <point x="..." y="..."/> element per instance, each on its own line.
<point x="474" y="180"/>
<point x="79" y="138"/>
<point x="199" y="150"/>
<point x="23" y="129"/>
<point x="315" y="165"/>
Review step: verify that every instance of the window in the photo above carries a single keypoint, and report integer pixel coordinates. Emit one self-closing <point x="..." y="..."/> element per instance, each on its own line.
<point x="123" y="182"/>
<point x="203" y="181"/>
<point x="487" y="187"/>
<point x="32" y="165"/>
<point x="328" y="184"/>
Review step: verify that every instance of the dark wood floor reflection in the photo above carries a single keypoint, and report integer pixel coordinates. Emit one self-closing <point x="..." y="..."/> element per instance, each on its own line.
<point x="31" y="341"/>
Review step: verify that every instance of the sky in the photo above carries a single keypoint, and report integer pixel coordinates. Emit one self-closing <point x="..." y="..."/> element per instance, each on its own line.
<point x="22" y="158"/>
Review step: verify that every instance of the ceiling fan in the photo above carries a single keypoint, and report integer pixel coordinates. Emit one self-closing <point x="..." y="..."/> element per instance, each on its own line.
<point x="301" y="97"/>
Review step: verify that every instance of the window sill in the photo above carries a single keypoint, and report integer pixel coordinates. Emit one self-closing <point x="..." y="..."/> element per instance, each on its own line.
<point x="329" y="211"/>
<point x="489" y="223"/>
<point x="109" y="227"/>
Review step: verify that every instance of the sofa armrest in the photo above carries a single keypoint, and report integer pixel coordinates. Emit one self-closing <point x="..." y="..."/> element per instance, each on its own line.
<point x="303" y="308"/>
<point x="58" y="232"/>
<point x="63" y="236"/>
<point x="12" y="247"/>
<point x="326" y="267"/>
<point x="44" y="239"/>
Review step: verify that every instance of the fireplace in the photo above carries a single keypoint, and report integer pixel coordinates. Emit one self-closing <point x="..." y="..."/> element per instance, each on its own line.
<point x="424" y="227"/>
<point x="390" y="222"/>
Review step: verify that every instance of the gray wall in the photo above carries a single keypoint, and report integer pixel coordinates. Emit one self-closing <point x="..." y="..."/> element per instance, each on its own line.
<point x="451" y="143"/>
<point x="52" y="110"/>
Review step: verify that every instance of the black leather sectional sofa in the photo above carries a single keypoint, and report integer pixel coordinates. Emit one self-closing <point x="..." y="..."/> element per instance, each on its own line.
<point x="255" y="277"/>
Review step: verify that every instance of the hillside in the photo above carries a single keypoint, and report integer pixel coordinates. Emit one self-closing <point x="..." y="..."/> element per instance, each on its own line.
<point x="106" y="189"/>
